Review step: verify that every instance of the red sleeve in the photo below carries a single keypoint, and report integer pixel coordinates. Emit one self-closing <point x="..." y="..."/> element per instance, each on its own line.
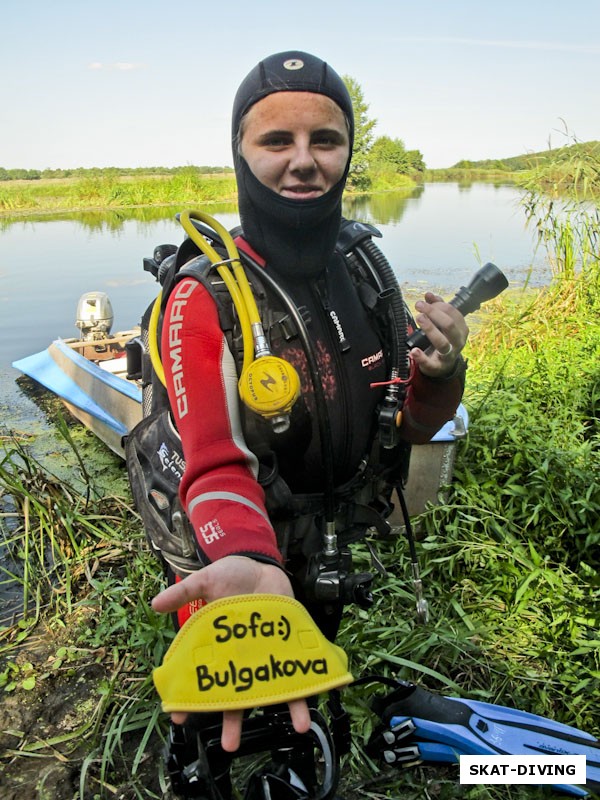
<point x="219" y="489"/>
<point x="430" y="403"/>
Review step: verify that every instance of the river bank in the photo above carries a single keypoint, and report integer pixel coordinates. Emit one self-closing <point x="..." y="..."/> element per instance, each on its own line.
<point x="510" y="564"/>
<point x="104" y="192"/>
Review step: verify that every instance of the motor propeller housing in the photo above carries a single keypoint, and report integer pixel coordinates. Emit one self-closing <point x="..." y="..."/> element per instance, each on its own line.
<point x="94" y="316"/>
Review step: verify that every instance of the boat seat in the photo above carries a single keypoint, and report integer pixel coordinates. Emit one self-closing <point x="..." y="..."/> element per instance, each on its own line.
<point x="114" y="365"/>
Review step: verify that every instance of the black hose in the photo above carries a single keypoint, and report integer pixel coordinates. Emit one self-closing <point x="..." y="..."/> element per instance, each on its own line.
<point x="382" y="266"/>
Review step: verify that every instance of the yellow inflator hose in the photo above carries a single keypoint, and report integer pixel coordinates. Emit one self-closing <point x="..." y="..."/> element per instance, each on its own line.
<point x="268" y="385"/>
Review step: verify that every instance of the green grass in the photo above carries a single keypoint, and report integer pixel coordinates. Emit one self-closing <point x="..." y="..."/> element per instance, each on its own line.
<point x="510" y="561"/>
<point x="108" y="191"/>
<point x="87" y="578"/>
<point x="117" y="193"/>
<point x="465" y="176"/>
<point x="570" y="171"/>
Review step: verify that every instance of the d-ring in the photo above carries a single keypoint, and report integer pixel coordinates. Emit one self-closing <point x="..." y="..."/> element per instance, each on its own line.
<point x="448" y="351"/>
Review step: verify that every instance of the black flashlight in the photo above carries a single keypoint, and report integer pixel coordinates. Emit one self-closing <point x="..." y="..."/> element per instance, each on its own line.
<point x="488" y="282"/>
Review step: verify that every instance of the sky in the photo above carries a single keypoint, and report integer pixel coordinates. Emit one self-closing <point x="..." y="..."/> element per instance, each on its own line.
<point x="126" y="83"/>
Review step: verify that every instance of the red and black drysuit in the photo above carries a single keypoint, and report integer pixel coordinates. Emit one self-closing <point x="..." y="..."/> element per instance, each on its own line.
<point x="220" y="490"/>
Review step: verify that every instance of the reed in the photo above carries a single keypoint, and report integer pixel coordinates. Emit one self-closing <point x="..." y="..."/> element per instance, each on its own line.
<point x="86" y="577"/>
<point x="384" y="179"/>
<point x="465" y="176"/>
<point x="107" y="191"/>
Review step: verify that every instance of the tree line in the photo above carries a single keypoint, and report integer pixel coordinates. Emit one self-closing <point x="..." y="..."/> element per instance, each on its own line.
<point x="96" y="172"/>
<point x="377" y="163"/>
<point x="584" y="151"/>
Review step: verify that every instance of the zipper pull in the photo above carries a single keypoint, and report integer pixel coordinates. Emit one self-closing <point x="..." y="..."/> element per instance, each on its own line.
<point x="333" y="318"/>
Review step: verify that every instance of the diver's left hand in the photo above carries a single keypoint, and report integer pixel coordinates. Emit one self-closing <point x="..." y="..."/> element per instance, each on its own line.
<point x="447" y="331"/>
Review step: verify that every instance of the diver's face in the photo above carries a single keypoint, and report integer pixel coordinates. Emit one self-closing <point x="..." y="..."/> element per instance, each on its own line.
<point x="296" y="143"/>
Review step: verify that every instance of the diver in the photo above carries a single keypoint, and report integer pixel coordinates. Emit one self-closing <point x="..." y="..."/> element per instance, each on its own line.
<point x="274" y="504"/>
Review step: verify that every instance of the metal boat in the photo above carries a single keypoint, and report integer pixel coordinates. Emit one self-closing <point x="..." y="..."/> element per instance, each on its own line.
<point x="90" y="374"/>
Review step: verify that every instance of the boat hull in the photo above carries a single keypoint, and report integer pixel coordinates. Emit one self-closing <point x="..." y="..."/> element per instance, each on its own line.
<point x="103" y="400"/>
<point x="432" y="468"/>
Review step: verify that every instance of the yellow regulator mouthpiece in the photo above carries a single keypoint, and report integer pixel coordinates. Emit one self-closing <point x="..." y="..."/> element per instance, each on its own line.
<point x="248" y="651"/>
<point x="269" y="386"/>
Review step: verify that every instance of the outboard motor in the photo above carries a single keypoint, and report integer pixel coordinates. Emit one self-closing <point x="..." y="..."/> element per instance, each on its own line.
<point x="94" y="316"/>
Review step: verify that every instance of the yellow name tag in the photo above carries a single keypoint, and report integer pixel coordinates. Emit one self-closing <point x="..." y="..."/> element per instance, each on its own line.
<point x="248" y="651"/>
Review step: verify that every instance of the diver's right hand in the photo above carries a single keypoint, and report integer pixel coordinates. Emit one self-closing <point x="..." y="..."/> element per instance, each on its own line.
<point x="232" y="575"/>
<point x="224" y="578"/>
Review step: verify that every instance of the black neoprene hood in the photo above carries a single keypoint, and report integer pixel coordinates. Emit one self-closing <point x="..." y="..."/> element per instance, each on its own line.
<point x="295" y="237"/>
<point x="291" y="71"/>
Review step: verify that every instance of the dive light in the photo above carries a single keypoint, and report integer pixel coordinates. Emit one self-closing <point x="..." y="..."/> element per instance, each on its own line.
<point x="487" y="283"/>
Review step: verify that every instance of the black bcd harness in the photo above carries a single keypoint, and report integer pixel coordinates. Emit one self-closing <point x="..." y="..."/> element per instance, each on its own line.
<point x="154" y="454"/>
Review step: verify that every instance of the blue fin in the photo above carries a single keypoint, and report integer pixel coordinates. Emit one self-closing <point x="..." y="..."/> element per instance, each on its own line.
<point x="443" y="728"/>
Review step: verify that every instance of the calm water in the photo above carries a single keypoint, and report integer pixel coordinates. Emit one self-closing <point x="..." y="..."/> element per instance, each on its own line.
<point x="436" y="238"/>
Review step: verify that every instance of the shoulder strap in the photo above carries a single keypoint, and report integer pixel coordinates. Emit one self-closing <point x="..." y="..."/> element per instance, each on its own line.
<point x="353" y="232"/>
